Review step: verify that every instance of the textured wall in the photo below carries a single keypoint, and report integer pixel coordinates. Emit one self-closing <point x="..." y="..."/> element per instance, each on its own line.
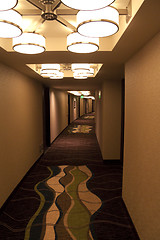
<point x="111" y="120"/>
<point x="141" y="190"/>
<point x="82" y="106"/>
<point x="20" y="127"/>
<point x="98" y="117"/>
<point x="58" y="112"/>
<point x="74" y="107"/>
<point x="90" y="105"/>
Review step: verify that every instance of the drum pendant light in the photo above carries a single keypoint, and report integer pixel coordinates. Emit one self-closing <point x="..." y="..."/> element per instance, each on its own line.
<point x="29" y="43"/>
<point x="7" y="4"/>
<point x="10" y="24"/>
<point x="81" y="44"/>
<point x="87" y="4"/>
<point x="99" y="23"/>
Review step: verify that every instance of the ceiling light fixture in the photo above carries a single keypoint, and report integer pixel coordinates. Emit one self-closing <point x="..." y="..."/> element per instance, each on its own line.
<point x="8" y="4"/>
<point x="84" y="72"/>
<point x="87" y="4"/>
<point x="50" y="69"/>
<point x="99" y="23"/>
<point x="76" y="93"/>
<point x="85" y="67"/>
<point x="81" y="44"/>
<point x="79" y="76"/>
<point x="29" y="43"/>
<point x="85" y="93"/>
<point x="59" y="75"/>
<point x="10" y="24"/>
<point x="50" y="66"/>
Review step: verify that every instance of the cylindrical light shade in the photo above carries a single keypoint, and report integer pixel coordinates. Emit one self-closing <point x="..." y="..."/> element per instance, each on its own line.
<point x="49" y="71"/>
<point x="90" y="72"/>
<point x="99" y="23"/>
<point x="79" y="76"/>
<point x="80" y="67"/>
<point x="10" y="24"/>
<point x="7" y="4"/>
<point x="85" y="93"/>
<point x="50" y="66"/>
<point x="59" y="75"/>
<point x="29" y="43"/>
<point x="87" y="4"/>
<point x="81" y="44"/>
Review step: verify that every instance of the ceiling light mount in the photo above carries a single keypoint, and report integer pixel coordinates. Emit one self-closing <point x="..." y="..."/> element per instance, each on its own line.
<point x="49" y="16"/>
<point x="46" y="1"/>
<point x="48" y="13"/>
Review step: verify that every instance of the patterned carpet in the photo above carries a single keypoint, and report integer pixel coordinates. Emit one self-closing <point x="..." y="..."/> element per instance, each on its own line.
<point x="69" y="193"/>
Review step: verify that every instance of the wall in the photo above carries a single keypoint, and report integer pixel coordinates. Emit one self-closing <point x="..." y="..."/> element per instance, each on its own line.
<point x="98" y="116"/>
<point x="89" y="105"/>
<point x="82" y="106"/>
<point x="141" y="191"/>
<point x="74" y="107"/>
<point x="21" y="128"/>
<point x="58" y="112"/>
<point x="111" y="120"/>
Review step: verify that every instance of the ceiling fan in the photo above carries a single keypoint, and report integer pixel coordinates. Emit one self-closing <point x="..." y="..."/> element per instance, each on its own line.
<point x="48" y="8"/>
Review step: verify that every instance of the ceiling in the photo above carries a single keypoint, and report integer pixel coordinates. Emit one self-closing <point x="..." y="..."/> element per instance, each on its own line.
<point x="114" y="51"/>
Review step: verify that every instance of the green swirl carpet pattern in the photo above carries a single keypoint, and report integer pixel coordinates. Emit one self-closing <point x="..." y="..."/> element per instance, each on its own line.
<point x="69" y="194"/>
<point x="80" y="129"/>
<point x="66" y="184"/>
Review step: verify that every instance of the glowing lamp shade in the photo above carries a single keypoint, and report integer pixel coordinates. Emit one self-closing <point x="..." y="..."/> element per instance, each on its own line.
<point x="10" y="24"/>
<point x="49" y="71"/>
<point x="99" y="23"/>
<point x="29" y="43"/>
<point x="7" y="4"/>
<point x="50" y="66"/>
<point x="59" y="75"/>
<point x="81" y="44"/>
<point x="89" y="72"/>
<point x="85" y="67"/>
<point x="87" y="4"/>
<point x="79" y="76"/>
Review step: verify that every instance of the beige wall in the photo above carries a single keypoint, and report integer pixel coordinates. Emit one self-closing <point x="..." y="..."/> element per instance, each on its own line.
<point x="58" y="112"/>
<point x="74" y="107"/>
<point x="111" y="120"/>
<point x="21" y="132"/>
<point x="98" y="117"/>
<point x="141" y="182"/>
<point x="82" y="106"/>
<point x="90" y="105"/>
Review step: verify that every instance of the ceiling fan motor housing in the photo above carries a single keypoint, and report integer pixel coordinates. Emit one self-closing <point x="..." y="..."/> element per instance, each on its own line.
<point x="48" y="14"/>
<point x="46" y="1"/>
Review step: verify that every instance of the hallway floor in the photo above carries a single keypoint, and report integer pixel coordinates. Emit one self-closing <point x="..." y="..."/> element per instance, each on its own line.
<point x="69" y="193"/>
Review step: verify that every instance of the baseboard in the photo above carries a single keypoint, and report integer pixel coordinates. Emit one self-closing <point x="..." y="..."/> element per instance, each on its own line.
<point x="58" y="135"/>
<point x="131" y="222"/>
<point x="112" y="161"/>
<point x="16" y="188"/>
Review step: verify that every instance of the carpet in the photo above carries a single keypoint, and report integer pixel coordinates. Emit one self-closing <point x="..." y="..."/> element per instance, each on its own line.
<point x="69" y="193"/>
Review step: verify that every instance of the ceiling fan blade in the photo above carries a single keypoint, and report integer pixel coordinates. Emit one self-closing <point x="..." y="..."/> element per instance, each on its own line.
<point x="30" y="12"/>
<point x="56" y="4"/>
<point x="66" y="12"/>
<point x="66" y="23"/>
<point x="39" y="23"/>
<point x="37" y="4"/>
